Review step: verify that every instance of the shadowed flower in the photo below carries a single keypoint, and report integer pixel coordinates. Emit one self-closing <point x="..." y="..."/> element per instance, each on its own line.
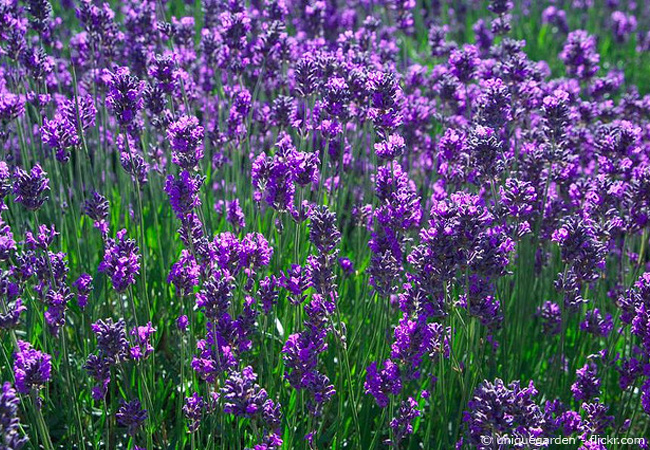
<point x="131" y="415"/>
<point x="11" y="437"/>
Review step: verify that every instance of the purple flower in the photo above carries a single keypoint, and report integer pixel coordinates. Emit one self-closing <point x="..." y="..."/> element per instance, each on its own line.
<point x="295" y="281"/>
<point x="183" y="192"/>
<point x="641" y="324"/>
<point x="300" y="355"/>
<point x="131" y="415"/>
<point x="497" y="409"/>
<point x="337" y="96"/>
<point x="415" y="339"/>
<point x="214" y="298"/>
<point x="402" y="424"/>
<point x="579" y="55"/>
<point x="40" y="14"/>
<point x="186" y="139"/>
<point x="124" y="97"/>
<point x="11" y="106"/>
<point x="500" y="7"/>
<point x="306" y="75"/>
<point x="254" y="252"/>
<point x="587" y="384"/>
<point x="438" y="40"/>
<point x="645" y="396"/>
<point x="494" y="104"/>
<point x="234" y="214"/>
<point x="555" y="17"/>
<point x="111" y="340"/>
<point x="242" y="397"/>
<point x="163" y="70"/>
<point x="463" y="62"/>
<point x="283" y="111"/>
<point x="485" y="151"/>
<point x="5" y="183"/>
<point x="275" y="178"/>
<point x="132" y="160"/>
<point x="212" y="359"/>
<point x="399" y="207"/>
<point x="31" y="188"/>
<point x="32" y="368"/>
<point x="121" y="261"/>
<point x="80" y="112"/>
<point x="43" y="238"/>
<point x="346" y="265"/>
<point x="193" y="411"/>
<point x="142" y="337"/>
<point x="596" y="421"/>
<point x="99" y="369"/>
<point x="550" y="315"/>
<point x="7" y="242"/>
<point x="323" y="232"/>
<point x="268" y="293"/>
<point x="97" y="207"/>
<point x="382" y="383"/>
<point x="630" y="369"/>
<point x="582" y="247"/>
<point x="60" y="135"/>
<point x="227" y="250"/>
<point x="555" y="109"/>
<point x="596" y="324"/>
<point x="484" y="35"/>
<point x="11" y="317"/>
<point x="391" y="148"/>
<point x="623" y="26"/>
<point x="84" y="286"/>
<point x="11" y="438"/>
<point x="37" y="62"/>
<point x="182" y="322"/>
<point x="56" y="299"/>
<point x="184" y="274"/>
<point x="519" y="197"/>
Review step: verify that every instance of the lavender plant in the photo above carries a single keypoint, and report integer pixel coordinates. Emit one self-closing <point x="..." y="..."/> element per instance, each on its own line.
<point x="292" y="224"/>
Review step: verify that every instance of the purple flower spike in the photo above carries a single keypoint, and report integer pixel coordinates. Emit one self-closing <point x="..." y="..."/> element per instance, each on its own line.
<point x="580" y="56"/>
<point x="186" y="140"/>
<point x="31" y="188"/>
<point x="183" y="192"/>
<point x="96" y="207"/>
<point x="32" y="368"/>
<point x="11" y="438"/>
<point x="124" y="97"/>
<point x="60" y="135"/>
<point x="402" y="424"/>
<point x="121" y="261"/>
<point x="498" y="409"/>
<point x="131" y="415"/>
<point x="384" y="382"/>
<point x="84" y="286"/>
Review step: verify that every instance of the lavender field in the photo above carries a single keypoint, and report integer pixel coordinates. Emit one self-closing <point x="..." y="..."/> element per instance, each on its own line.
<point x="325" y="224"/>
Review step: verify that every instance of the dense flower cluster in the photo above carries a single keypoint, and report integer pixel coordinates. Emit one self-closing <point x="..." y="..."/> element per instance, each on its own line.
<point x="311" y="224"/>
